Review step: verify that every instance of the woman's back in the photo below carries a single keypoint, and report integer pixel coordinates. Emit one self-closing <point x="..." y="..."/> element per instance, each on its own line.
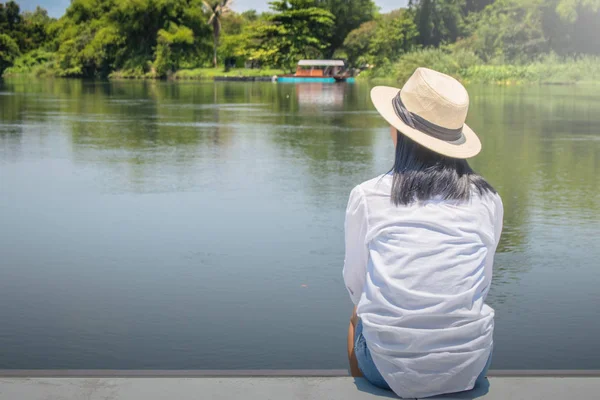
<point x="421" y="295"/>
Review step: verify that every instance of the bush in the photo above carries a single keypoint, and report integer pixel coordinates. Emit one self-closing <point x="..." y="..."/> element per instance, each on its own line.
<point x="37" y="62"/>
<point x="452" y="62"/>
<point x="464" y="65"/>
<point x="138" y="72"/>
<point x="549" y="69"/>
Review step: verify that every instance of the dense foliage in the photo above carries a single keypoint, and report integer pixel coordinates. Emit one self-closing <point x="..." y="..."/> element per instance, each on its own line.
<point x="514" y="30"/>
<point x="156" y="38"/>
<point x="20" y="32"/>
<point x="383" y="39"/>
<point x="492" y="39"/>
<point x="96" y="37"/>
<point x="349" y="15"/>
<point x="296" y="29"/>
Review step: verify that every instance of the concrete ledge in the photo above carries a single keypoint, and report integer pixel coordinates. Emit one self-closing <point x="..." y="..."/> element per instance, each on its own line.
<point x="217" y="373"/>
<point x="276" y="388"/>
<point x="166" y="373"/>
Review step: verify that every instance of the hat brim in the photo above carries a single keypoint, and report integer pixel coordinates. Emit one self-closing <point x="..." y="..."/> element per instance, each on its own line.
<point x="382" y="97"/>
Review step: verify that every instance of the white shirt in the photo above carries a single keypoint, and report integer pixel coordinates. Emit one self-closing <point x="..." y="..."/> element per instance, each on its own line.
<point x="419" y="275"/>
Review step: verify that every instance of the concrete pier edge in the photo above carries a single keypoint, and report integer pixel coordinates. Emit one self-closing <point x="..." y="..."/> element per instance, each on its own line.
<point x="274" y="385"/>
<point x="264" y="373"/>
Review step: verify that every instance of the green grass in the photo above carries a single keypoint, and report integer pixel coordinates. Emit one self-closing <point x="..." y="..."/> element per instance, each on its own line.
<point x="195" y="74"/>
<point x="211" y="73"/>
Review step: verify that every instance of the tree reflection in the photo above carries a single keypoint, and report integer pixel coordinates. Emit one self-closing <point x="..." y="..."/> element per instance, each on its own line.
<point x="539" y="151"/>
<point x="22" y="111"/>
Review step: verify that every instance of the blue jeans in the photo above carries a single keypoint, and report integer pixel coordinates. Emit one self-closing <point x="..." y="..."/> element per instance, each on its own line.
<point x="370" y="371"/>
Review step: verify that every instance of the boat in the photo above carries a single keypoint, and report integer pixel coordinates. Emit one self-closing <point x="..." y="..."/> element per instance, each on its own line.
<point x="326" y="71"/>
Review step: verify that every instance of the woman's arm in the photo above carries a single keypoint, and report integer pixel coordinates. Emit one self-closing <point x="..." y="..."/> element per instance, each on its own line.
<point x="354" y="369"/>
<point x="356" y="256"/>
<point x="355" y="263"/>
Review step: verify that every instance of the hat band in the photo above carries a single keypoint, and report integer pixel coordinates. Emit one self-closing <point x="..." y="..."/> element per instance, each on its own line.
<point x="421" y="124"/>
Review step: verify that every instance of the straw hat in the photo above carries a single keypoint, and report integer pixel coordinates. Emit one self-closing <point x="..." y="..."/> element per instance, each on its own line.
<point x="430" y="109"/>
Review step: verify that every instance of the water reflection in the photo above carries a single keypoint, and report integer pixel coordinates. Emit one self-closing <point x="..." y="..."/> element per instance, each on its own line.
<point x="217" y="193"/>
<point x="542" y="152"/>
<point x="317" y="95"/>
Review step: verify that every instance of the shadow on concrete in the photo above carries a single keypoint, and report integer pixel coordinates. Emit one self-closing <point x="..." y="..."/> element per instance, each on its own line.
<point x="480" y="390"/>
<point x="364" y="386"/>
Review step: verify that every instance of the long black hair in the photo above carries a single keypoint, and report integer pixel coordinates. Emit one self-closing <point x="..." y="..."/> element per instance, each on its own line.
<point x="421" y="174"/>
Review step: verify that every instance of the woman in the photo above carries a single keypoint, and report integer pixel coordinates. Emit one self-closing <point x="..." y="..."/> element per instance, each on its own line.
<point x="420" y="244"/>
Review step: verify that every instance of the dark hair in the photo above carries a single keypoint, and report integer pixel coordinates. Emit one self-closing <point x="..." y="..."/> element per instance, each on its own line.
<point x="421" y="174"/>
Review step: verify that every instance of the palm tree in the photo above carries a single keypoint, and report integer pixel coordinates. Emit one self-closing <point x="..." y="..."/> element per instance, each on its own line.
<point x="216" y="8"/>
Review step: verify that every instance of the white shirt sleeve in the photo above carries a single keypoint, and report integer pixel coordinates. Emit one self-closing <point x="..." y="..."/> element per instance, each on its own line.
<point x="499" y="219"/>
<point x="357" y="255"/>
<point x="497" y="224"/>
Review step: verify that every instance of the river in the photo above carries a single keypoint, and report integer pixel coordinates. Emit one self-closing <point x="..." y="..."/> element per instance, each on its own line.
<point x="200" y="225"/>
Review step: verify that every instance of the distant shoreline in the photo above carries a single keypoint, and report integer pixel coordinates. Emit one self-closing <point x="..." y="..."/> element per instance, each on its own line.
<point x="198" y="74"/>
<point x="549" y="71"/>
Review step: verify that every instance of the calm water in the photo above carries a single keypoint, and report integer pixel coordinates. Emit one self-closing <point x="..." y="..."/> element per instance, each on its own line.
<point x="200" y="226"/>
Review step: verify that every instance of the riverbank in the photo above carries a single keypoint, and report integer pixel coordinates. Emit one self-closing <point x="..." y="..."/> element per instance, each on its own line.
<point x="41" y="66"/>
<point x="468" y="68"/>
<point x="201" y="74"/>
<point x="464" y="65"/>
<point x="569" y="73"/>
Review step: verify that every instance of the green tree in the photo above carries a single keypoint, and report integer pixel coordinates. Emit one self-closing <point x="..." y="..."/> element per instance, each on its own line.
<point x="521" y="30"/>
<point x="98" y="37"/>
<point x="21" y="32"/>
<point x="296" y="29"/>
<point x="236" y="43"/>
<point x="173" y="43"/>
<point x="383" y="40"/>
<point x="476" y="5"/>
<point x="438" y="21"/>
<point x="358" y="43"/>
<point x="508" y="30"/>
<point x="216" y="9"/>
<point x="10" y="17"/>
<point x="11" y="23"/>
<point x="9" y="50"/>
<point x="88" y="40"/>
<point x="35" y="29"/>
<point x="571" y="25"/>
<point x="349" y="15"/>
<point x="571" y="9"/>
<point x="250" y="15"/>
